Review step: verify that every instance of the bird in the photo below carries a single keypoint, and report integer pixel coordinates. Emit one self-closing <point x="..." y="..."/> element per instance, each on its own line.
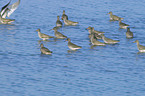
<point x="114" y="17"/>
<point x="64" y="15"/>
<point x="58" y="34"/>
<point x="108" y="40"/>
<point x="4" y="10"/>
<point x="94" y="41"/>
<point x="97" y="34"/>
<point x="43" y="36"/>
<point x="6" y="21"/>
<point x="58" y="22"/>
<point x="129" y="34"/>
<point x="7" y="10"/>
<point x="141" y="48"/>
<point x="68" y="22"/>
<point x="89" y="29"/>
<point x="123" y="25"/>
<point x="72" y="46"/>
<point x="4" y="13"/>
<point x="44" y="50"/>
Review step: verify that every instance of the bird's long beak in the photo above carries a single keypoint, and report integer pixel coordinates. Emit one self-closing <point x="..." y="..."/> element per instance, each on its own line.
<point x="88" y="28"/>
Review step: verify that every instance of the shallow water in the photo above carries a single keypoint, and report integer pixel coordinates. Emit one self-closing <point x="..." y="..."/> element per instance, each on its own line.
<point x="112" y="70"/>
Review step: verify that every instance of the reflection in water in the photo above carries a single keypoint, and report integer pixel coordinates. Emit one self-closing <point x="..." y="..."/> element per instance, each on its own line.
<point x="44" y="55"/>
<point x="40" y="41"/>
<point x="72" y="51"/>
<point x="141" y="53"/>
<point x="92" y="46"/>
<point x="56" y="39"/>
<point x="8" y="26"/>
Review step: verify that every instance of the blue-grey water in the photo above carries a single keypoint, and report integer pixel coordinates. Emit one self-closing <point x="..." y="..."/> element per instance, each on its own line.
<point x="112" y="70"/>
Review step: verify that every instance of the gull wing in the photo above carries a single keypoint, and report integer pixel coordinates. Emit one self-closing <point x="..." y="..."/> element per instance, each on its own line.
<point x="13" y="7"/>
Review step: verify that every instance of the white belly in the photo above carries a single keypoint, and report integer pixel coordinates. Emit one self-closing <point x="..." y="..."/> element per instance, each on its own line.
<point x="141" y="50"/>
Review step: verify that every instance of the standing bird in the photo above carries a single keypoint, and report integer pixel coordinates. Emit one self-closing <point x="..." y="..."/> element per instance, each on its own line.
<point x="43" y="36"/>
<point x="89" y="29"/>
<point x="97" y="34"/>
<point x="58" y="34"/>
<point x="123" y="25"/>
<point x="108" y="40"/>
<point x="141" y="48"/>
<point x="58" y="22"/>
<point x="129" y="34"/>
<point x="6" y="21"/>
<point x="72" y="46"/>
<point x="68" y="22"/>
<point x="44" y="50"/>
<point x="64" y="15"/>
<point x="94" y="41"/>
<point x="114" y="17"/>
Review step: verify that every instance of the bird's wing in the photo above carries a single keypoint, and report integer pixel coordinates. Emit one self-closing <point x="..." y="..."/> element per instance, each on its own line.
<point x="110" y="40"/>
<point x="124" y="24"/>
<point x="45" y="49"/>
<point x="3" y="10"/>
<point x="141" y="47"/>
<point x="44" y="35"/>
<point x="60" y="34"/>
<point x="71" y="22"/>
<point x="13" y="7"/>
<point x="73" y="45"/>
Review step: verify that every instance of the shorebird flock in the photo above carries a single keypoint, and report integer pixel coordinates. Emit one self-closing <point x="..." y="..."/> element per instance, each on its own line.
<point x="94" y="35"/>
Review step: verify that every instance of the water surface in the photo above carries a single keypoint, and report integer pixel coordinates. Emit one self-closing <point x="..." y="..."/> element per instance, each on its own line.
<point x="113" y="70"/>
